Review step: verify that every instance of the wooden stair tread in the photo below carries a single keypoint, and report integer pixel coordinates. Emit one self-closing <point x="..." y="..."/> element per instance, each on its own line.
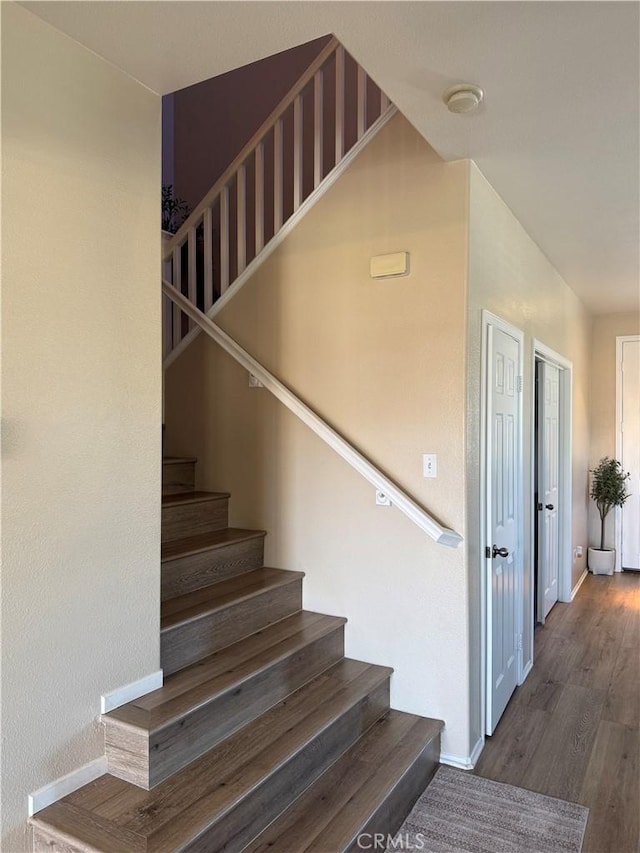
<point x="336" y="807"/>
<point x="178" y="460"/>
<point x="193" y="497"/>
<point x="222" y="671"/>
<point x="193" y="605"/>
<point x="178" y="548"/>
<point x="177" y="811"/>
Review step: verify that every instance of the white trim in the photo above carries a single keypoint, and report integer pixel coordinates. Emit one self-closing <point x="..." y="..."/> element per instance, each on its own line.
<point x="527" y="669"/>
<point x="467" y="762"/>
<point x="54" y="791"/>
<point x="542" y="352"/>
<point x="286" y="229"/>
<point x="129" y="692"/>
<point x="574" y="591"/>
<point x="399" y="498"/>
<point x="490" y="319"/>
<point x="617" y="515"/>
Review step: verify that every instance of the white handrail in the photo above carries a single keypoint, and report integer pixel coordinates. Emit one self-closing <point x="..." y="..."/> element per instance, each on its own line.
<point x="398" y="497"/>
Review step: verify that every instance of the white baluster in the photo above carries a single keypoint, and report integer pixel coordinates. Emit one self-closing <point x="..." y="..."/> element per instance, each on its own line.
<point x="362" y="101"/>
<point x="339" y="104"/>
<point x="259" y="197"/>
<point x="277" y="176"/>
<point x="224" y="238"/>
<point x="167" y="323"/>
<point x="318" y="117"/>
<point x="191" y="269"/>
<point x="241" y="217"/>
<point x="297" y="152"/>
<point x="176" y="279"/>
<point x="207" y="224"/>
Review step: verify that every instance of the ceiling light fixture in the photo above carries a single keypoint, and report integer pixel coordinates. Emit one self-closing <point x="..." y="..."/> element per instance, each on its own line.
<point x="463" y="98"/>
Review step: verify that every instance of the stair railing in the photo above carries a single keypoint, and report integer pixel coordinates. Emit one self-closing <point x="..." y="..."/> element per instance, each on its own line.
<point x="321" y="428"/>
<point x="317" y="127"/>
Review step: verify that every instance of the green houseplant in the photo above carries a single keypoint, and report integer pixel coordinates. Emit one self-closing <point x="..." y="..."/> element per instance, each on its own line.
<point x="608" y="490"/>
<point x="174" y="210"/>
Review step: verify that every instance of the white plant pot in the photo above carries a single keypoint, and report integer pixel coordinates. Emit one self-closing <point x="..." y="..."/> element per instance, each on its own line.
<point x="602" y="562"/>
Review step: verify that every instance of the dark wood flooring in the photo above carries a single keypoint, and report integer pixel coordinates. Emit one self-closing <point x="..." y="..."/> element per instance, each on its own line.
<point x="572" y="730"/>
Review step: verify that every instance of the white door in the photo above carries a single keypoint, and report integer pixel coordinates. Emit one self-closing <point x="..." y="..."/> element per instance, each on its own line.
<point x="548" y="491"/>
<point x="503" y="517"/>
<point x="630" y="452"/>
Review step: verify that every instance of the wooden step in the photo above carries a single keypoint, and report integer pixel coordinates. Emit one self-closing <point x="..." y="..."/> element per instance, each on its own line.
<point x="228" y="796"/>
<point x="158" y="734"/>
<point x="195" y="625"/>
<point x="197" y="561"/>
<point x="193" y="513"/>
<point x="178" y="474"/>
<point x="369" y="790"/>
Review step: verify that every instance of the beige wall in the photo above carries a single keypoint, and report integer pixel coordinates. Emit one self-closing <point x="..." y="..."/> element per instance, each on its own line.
<point x="81" y="389"/>
<point x="606" y="328"/>
<point x="510" y="276"/>
<point x="384" y="362"/>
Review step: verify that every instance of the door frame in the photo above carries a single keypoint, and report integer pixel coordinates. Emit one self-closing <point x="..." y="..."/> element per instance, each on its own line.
<point x="617" y="516"/>
<point x="542" y="352"/>
<point x="490" y="319"/>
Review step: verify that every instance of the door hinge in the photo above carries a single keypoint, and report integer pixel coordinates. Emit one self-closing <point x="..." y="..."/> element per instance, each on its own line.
<point x="487" y="552"/>
<point x="519" y="384"/>
<point x="519" y="642"/>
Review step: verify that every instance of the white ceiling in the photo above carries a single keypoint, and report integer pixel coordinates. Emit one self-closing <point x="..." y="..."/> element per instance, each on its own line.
<point x="557" y="135"/>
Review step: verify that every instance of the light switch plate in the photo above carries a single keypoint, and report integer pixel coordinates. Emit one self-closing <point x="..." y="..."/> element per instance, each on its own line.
<point x="430" y="465"/>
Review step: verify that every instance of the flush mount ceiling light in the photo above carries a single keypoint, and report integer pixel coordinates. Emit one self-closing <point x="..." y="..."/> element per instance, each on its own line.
<point x="463" y="98"/>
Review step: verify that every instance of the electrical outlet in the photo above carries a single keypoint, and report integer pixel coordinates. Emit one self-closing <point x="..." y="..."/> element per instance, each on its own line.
<point x="577" y="552"/>
<point x="430" y="465"/>
<point x="382" y="499"/>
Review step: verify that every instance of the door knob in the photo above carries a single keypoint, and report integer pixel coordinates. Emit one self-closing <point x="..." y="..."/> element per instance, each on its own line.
<point x="548" y="506"/>
<point x="499" y="552"/>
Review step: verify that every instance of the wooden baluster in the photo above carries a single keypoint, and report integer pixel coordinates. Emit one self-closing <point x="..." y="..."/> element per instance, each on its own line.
<point x="167" y="325"/>
<point x="241" y="217"/>
<point x="176" y="280"/>
<point x="224" y="239"/>
<point x="277" y="176"/>
<point x="207" y="224"/>
<point x="339" y="104"/>
<point x="192" y="291"/>
<point x="259" y="197"/>
<point x="318" y="122"/>
<point x="297" y="152"/>
<point x="362" y="101"/>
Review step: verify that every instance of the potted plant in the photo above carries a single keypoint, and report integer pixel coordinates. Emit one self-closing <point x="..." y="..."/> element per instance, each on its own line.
<point x="608" y="489"/>
<point x="174" y="210"/>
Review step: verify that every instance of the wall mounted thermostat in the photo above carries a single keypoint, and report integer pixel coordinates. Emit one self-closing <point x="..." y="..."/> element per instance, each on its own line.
<point x="390" y="266"/>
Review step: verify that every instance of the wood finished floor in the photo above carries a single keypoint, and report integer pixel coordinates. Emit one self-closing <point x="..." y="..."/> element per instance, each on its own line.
<point x="572" y="730"/>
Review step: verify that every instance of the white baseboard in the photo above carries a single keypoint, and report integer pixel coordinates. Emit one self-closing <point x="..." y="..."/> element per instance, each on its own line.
<point x="129" y="692"/>
<point x="574" y="591"/>
<point x="54" y="791"/>
<point x="527" y="669"/>
<point x="463" y="763"/>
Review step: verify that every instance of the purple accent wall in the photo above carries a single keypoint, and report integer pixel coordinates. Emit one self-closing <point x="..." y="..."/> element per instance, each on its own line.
<point x="214" y="119"/>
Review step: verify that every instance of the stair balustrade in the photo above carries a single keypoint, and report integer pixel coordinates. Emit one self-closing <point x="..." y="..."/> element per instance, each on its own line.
<point x="309" y="138"/>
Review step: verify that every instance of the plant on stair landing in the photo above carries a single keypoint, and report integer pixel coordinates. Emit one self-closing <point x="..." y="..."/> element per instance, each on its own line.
<point x="174" y="210"/>
<point x="608" y="489"/>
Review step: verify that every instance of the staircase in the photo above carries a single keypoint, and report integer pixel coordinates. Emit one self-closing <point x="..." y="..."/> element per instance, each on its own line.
<point x="264" y="736"/>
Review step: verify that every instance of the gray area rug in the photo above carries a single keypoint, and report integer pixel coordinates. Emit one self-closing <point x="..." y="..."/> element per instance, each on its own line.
<point x="463" y="813"/>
